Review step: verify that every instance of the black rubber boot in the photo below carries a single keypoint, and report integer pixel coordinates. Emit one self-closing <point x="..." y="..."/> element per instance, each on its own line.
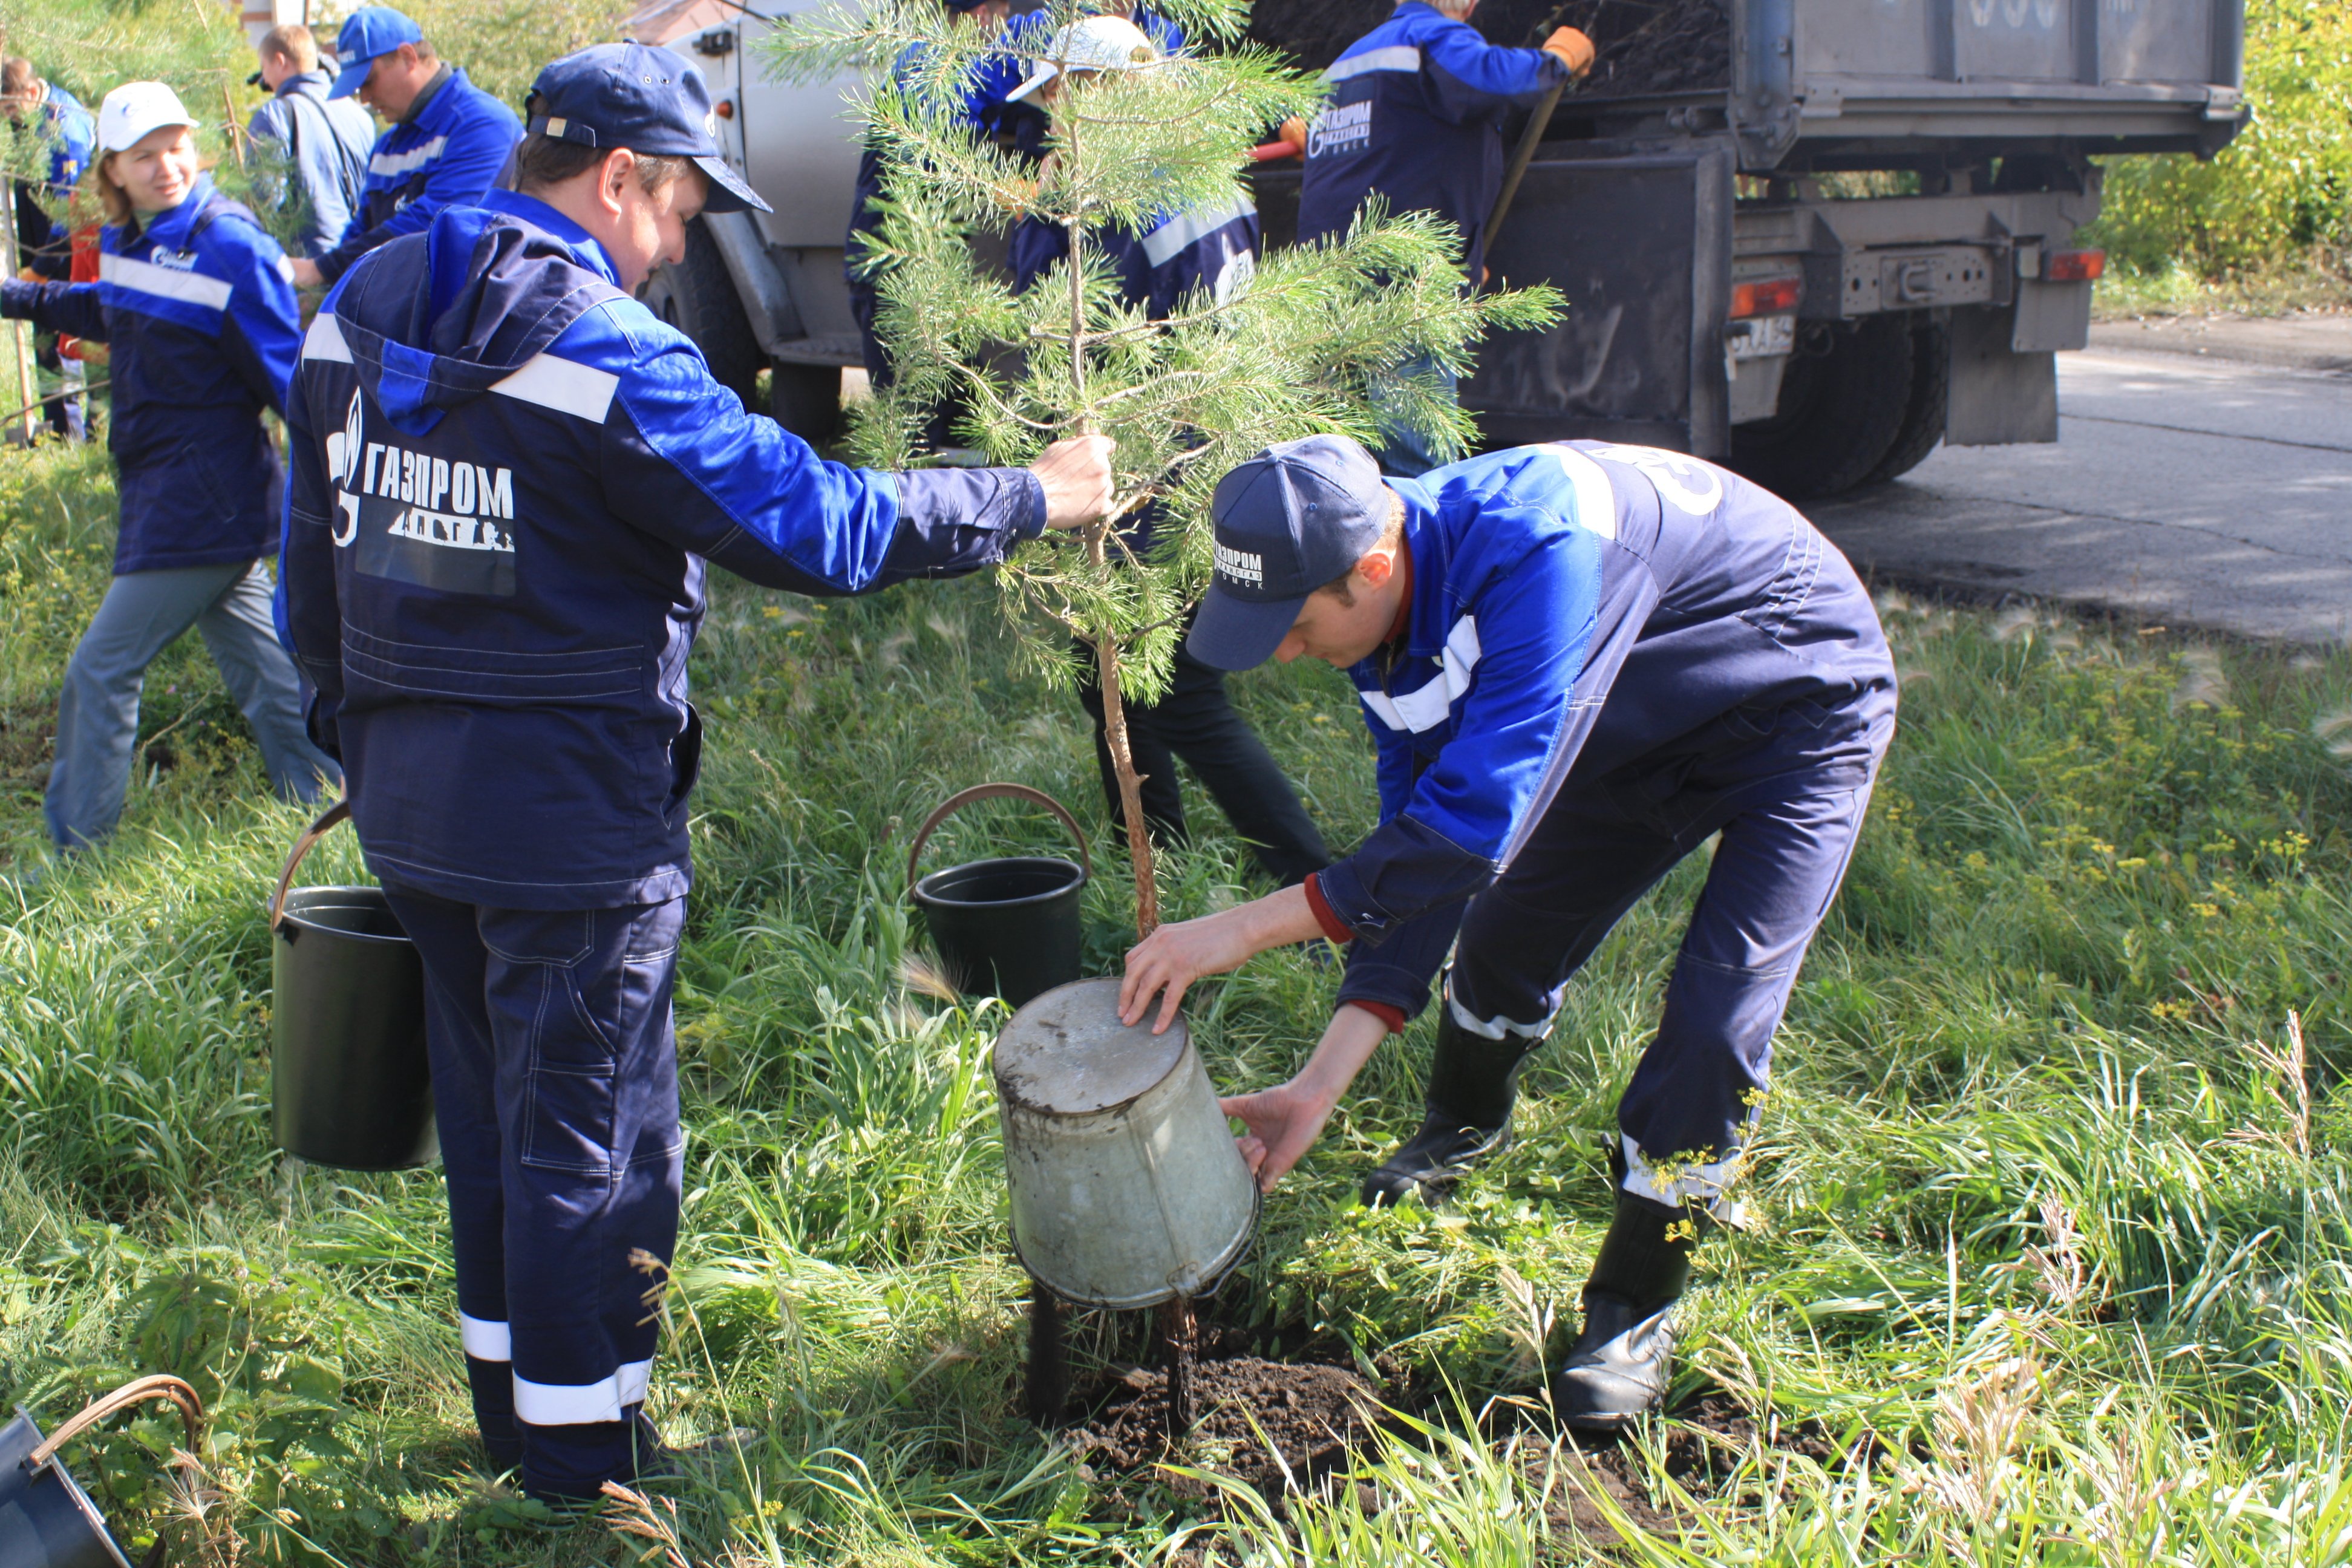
<point x="1473" y="1083"/>
<point x="1616" y="1372"/>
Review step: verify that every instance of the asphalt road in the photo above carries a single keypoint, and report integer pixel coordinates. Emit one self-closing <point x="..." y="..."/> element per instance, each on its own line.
<point x="2185" y="490"/>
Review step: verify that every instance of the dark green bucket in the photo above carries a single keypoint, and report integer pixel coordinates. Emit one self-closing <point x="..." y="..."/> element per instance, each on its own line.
<point x="1009" y="926"/>
<point x="349" y="1083"/>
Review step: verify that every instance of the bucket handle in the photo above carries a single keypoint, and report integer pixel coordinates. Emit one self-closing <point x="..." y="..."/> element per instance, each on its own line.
<point x="964" y="797"/>
<point x="162" y="1385"/>
<point x="311" y="835"/>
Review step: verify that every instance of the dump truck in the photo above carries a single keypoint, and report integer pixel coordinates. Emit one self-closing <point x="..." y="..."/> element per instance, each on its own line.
<point x="1808" y="238"/>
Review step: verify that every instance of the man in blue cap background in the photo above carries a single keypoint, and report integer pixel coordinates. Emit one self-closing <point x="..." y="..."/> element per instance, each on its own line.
<point x="1580" y="662"/>
<point x="508" y="478"/>
<point x="447" y="139"/>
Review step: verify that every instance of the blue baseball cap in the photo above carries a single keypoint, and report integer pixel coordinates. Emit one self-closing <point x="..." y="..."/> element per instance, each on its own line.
<point x="1296" y="516"/>
<point x="647" y="99"/>
<point x="370" y="31"/>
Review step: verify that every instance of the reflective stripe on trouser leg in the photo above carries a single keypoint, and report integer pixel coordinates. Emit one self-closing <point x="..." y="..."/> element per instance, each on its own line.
<point x="592" y="1156"/>
<point x="1700" y="1083"/>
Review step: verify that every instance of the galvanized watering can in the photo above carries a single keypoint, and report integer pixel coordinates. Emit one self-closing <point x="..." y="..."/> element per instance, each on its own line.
<point x="1007" y="927"/>
<point x="349" y="1082"/>
<point x="1127" y="1188"/>
<point x="46" y="1521"/>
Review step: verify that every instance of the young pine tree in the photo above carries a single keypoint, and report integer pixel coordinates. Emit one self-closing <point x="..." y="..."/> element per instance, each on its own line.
<point x="1299" y="346"/>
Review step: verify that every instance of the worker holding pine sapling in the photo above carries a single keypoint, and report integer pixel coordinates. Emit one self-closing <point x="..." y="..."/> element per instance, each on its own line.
<point x="1580" y="663"/>
<point x="1415" y="120"/>
<point x="509" y="479"/>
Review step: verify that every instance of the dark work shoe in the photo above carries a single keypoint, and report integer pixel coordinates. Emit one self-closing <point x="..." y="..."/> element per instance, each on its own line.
<point x="1616" y="1372"/>
<point x="1427" y="1165"/>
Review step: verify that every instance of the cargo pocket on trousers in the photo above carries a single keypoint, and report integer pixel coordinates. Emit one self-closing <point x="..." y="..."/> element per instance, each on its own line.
<point x="575" y="1083"/>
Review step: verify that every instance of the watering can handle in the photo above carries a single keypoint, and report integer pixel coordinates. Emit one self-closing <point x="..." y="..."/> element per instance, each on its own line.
<point x="160" y="1386"/>
<point x="964" y="797"/>
<point x="311" y="835"/>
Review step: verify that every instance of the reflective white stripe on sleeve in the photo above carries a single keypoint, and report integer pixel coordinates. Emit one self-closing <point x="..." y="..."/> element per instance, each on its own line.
<point x="1396" y="58"/>
<point x="1596" y="500"/>
<point x="575" y="1404"/>
<point x="1164" y="243"/>
<point x="409" y="162"/>
<point x="286" y="267"/>
<point x="325" y="340"/>
<point x="565" y="385"/>
<point x="483" y="1340"/>
<point x="146" y="278"/>
<point x="1426" y="708"/>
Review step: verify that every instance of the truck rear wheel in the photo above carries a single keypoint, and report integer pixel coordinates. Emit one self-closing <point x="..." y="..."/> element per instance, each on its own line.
<point x="806" y="399"/>
<point x="1931" y="394"/>
<point x="1839" y="414"/>
<point x="698" y="297"/>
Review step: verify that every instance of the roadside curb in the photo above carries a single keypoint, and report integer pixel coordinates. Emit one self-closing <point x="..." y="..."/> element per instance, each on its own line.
<point x="2314" y="342"/>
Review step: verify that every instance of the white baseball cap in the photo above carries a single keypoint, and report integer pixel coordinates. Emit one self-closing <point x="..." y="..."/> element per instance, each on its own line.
<point x="1096" y="44"/>
<point x="136" y="108"/>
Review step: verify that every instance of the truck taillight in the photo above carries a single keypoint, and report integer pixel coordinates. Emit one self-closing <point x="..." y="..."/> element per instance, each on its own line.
<point x="1766" y="296"/>
<point x="2074" y="265"/>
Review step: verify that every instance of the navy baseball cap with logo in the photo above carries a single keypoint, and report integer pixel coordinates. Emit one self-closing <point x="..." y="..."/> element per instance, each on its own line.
<point x="370" y="31"/>
<point x="1296" y="516"/>
<point x="646" y="100"/>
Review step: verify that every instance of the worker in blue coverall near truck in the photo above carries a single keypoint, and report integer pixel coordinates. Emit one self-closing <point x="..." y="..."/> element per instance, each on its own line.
<point x="193" y="301"/>
<point x="1415" y="119"/>
<point x="1173" y="261"/>
<point x="447" y="143"/>
<point x="507" y="477"/>
<point x="1580" y="662"/>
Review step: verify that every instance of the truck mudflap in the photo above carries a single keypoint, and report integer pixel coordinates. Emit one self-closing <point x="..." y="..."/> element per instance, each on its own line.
<point x="1640" y="355"/>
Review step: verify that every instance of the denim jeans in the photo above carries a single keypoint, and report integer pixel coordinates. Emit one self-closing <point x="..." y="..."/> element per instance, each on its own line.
<point x="98" y="713"/>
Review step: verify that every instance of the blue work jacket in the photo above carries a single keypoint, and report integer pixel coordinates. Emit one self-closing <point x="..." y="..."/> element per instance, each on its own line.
<point x="507" y="475"/>
<point x="327" y="143"/>
<point x="1595" y="613"/>
<point x="44" y="243"/>
<point x="1024" y="123"/>
<point x="1415" y="116"/>
<point x="204" y="329"/>
<point x="446" y="154"/>
<point x="1209" y="247"/>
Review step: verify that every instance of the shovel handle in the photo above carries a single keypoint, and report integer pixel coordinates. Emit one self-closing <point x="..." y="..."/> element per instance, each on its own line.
<point x="311" y="835"/>
<point x="162" y="1385"/>
<point x="964" y="797"/>
<point x="1538" y="122"/>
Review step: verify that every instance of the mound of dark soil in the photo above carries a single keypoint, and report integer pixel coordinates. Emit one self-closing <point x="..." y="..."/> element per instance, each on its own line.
<point x="1645" y="46"/>
<point x="1272" y="1422"/>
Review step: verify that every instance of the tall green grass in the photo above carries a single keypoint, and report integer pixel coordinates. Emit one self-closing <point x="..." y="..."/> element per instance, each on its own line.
<point x="2049" y="1207"/>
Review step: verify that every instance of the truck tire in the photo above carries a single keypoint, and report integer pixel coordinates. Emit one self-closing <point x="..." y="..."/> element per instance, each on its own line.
<point x="806" y="399"/>
<point x="698" y="297"/>
<point x="1931" y="394"/>
<point x="1839" y="414"/>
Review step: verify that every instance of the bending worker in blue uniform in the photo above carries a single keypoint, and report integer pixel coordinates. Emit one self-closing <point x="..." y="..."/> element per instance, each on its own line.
<point x="1415" y="117"/>
<point x="1580" y="662"/>
<point x="509" y="476"/>
<point x="193" y="300"/>
<point x="447" y="143"/>
<point x="1201" y="255"/>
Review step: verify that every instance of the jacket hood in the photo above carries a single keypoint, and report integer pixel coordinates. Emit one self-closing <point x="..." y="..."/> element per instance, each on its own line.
<point x="435" y="320"/>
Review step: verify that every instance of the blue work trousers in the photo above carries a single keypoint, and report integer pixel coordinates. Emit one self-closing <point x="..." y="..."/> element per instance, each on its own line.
<point x="555" y="1080"/>
<point x="97" y="712"/>
<point x="1788" y="799"/>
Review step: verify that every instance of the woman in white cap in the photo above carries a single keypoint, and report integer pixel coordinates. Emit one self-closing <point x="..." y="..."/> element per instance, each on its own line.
<point x="194" y="298"/>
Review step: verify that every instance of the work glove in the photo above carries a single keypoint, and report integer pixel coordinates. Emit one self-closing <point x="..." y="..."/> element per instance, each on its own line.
<point x="1294" y="130"/>
<point x="1571" y="49"/>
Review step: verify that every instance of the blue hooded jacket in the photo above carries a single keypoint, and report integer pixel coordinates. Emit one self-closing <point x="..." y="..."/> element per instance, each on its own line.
<point x="328" y="142"/>
<point x="507" y="475"/>
<point x="1210" y="248"/>
<point x="447" y="153"/>
<point x="45" y="244"/>
<point x="1584" y="615"/>
<point x="1415" y="117"/>
<point x="203" y="328"/>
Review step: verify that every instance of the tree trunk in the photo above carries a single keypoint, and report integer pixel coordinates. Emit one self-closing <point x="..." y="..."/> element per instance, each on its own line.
<point x="1130" y="786"/>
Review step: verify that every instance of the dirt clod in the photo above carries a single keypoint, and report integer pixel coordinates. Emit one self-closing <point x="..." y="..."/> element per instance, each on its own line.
<point x="1306" y="1418"/>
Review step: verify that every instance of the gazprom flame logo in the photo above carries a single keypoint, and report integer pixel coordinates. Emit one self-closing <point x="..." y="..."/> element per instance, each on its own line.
<point x="343" y="466"/>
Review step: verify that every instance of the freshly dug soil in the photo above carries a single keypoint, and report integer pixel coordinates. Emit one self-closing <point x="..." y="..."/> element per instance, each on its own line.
<point x="1309" y="1413"/>
<point x="1645" y="46"/>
